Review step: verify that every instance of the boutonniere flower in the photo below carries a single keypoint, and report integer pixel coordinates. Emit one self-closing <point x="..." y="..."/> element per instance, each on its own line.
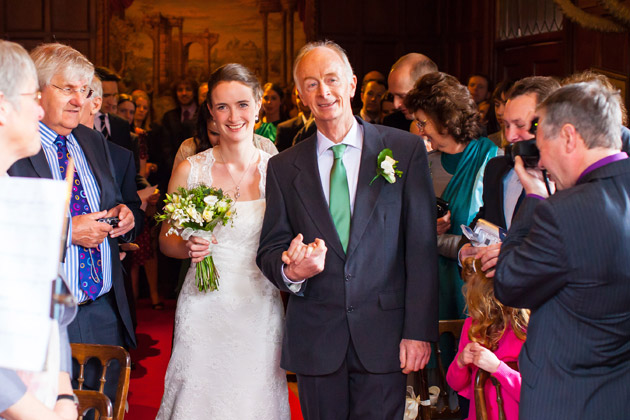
<point x="386" y="167"/>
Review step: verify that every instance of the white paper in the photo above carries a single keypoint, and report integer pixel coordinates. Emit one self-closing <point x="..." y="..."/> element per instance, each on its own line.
<point x="32" y="213"/>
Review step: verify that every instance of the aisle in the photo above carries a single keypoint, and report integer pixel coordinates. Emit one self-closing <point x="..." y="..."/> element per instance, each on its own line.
<point x="154" y="334"/>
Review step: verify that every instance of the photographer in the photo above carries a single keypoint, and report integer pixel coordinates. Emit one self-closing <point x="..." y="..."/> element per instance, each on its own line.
<point x="565" y="257"/>
<point x="502" y="190"/>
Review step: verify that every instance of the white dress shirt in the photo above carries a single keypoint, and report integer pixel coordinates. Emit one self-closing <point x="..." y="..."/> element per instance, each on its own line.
<point x="512" y="190"/>
<point x="97" y="122"/>
<point x="325" y="159"/>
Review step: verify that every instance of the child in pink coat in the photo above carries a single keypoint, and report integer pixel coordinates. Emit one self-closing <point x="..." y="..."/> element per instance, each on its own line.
<point x="492" y="336"/>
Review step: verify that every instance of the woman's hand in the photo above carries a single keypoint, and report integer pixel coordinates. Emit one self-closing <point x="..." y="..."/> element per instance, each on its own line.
<point x="466" y="356"/>
<point x="444" y="223"/>
<point x="484" y="358"/>
<point x="199" y="248"/>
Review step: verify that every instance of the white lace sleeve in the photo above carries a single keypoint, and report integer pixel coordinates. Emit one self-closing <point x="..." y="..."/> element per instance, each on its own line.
<point x="263" y="143"/>
<point x="262" y="169"/>
<point x="201" y="169"/>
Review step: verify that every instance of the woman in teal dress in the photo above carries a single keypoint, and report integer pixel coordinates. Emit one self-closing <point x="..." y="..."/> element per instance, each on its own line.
<point x="273" y="112"/>
<point x="447" y="116"/>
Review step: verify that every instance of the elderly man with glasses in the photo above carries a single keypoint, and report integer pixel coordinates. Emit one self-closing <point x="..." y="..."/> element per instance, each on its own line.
<point x="92" y="262"/>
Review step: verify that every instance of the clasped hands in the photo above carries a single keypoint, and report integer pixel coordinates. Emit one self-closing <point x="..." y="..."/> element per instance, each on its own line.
<point x="302" y="261"/>
<point x="478" y="355"/>
<point x="89" y="233"/>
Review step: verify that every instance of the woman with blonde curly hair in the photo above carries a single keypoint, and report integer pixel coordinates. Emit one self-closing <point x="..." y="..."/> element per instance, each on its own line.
<point x="492" y="337"/>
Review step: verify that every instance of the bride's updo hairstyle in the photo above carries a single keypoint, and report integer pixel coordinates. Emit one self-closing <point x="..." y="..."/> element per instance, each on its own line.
<point x="234" y="72"/>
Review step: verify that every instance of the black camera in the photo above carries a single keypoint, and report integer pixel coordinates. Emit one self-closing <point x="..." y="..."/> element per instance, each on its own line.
<point x="113" y="221"/>
<point x="442" y="207"/>
<point x="526" y="149"/>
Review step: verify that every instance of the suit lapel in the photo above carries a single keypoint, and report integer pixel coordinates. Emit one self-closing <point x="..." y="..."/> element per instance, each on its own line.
<point x="40" y="164"/>
<point x="308" y="186"/>
<point x="366" y="195"/>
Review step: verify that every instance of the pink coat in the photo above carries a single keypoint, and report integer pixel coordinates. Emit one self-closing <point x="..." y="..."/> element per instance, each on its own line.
<point x="461" y="380"/>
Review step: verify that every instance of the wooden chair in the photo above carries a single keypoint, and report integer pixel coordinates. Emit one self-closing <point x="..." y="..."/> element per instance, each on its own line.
<point x="105" y="354"/>
<point x="441" y="410"/>
<point x="481" y="378"/>
<point x="94" y="400"/>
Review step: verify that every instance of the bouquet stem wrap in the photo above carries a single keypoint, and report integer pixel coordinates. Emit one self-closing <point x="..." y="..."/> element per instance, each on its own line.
<point x="206" y="274"/>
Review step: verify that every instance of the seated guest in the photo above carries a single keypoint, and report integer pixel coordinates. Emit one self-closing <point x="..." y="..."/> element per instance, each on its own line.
<point x="20" y="113"/>
<point x="403" y="75"/>
<point x="447" y="116"/>
<point x="272" y="112"/>
<point x="495" y="126"/>
<point x="287" y="130"/>
<point x="565" y="257"/>
<point x="371" y="94"/>
<point x="492" y="336"/>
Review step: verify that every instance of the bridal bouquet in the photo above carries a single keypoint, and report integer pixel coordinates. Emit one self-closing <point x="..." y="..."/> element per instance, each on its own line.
<point x="197" y="212"/>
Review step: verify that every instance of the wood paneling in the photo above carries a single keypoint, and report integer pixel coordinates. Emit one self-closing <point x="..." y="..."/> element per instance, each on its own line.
<point x="72" y="22"/>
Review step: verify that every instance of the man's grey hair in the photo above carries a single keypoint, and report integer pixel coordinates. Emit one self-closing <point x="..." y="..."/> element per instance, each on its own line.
<point x="97" y="87"/>
<point x="348" y="72"/>
<point x="52" y="59"/>
<point x="593" y="110"/>
<point x="16" y="68"/>
<point x="419" y="65"/>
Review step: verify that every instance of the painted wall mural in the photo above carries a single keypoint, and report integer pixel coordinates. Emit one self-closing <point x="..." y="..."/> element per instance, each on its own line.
<point x="157" y="41"/>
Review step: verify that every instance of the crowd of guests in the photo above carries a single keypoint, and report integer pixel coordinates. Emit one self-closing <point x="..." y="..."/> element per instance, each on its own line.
<point x="464" y="128"/>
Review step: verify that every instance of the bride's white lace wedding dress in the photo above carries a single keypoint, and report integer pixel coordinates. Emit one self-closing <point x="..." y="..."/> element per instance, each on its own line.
<point x="225" y="363"/>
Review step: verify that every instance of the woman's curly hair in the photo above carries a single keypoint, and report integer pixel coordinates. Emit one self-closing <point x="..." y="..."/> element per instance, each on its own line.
<point x="490" y="317"/>
<point x="449" y="105"/>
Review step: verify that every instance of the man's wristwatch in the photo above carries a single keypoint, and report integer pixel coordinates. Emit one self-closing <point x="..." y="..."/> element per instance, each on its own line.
<point x="72" y="397"/>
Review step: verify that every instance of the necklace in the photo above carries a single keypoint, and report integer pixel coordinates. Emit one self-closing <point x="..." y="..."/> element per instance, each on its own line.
<point x="237" y="194"/>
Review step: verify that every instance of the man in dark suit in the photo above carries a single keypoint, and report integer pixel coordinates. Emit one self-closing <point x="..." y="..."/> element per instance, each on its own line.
<point x="402" y="76"/>
<point x="114" y="128"/>
<point x="287" y="130"/>
<point x="565" y="258"/>
<point x="358" y="257"/>
<point x="502" y="190"/>
<point x="92" y="263"/>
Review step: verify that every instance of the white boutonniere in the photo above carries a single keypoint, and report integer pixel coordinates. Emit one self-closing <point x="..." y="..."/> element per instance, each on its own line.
<point x="386" y="167"/>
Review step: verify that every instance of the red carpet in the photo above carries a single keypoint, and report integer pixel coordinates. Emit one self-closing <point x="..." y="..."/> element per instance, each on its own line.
<point x="154" y="333"/>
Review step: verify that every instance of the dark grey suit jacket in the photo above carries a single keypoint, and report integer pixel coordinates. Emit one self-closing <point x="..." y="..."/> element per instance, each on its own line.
<point x="96" y="151"/>
<point x="385" y="288"/>
<point x="566" y="258"/>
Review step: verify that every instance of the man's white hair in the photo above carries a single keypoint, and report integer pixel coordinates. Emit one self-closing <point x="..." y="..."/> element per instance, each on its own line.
<point x="52" y="59"/>
<point x="16" y="68"/>
<point x="348" y="72"/>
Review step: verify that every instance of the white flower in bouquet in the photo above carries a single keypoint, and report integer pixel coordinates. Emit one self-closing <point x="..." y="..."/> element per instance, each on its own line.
<point x="197" y="212"/>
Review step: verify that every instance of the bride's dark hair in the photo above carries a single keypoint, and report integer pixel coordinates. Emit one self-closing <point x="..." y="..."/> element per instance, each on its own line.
<point x="234" y="72"/>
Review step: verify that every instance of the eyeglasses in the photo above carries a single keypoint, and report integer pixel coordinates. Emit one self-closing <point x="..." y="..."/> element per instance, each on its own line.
<point x="85" y="91"/>
<point x="37" y="96"/>
<point x="421" y="125"/>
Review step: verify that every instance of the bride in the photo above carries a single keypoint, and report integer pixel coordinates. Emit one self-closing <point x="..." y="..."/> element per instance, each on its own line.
<point x="226" y="351"/>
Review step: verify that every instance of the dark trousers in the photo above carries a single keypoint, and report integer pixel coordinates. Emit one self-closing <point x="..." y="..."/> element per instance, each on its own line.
<point x="352" y="393"/>
<point x="98" y="322"/>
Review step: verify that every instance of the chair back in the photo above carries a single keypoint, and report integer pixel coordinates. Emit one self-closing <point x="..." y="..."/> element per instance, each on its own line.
<point x="105" y="354"/>
<point x="481" y="378"/>
<point x="94" y="400"/>
<point x="441" y="410"/>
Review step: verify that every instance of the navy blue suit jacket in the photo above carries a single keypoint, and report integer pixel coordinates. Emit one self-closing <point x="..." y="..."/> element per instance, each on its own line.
<point x="566" y="258"/>
<point x="96" y="151"/>
<point x="385" y="287"/>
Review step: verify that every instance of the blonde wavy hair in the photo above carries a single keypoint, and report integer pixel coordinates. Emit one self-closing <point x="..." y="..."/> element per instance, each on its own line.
<point x="490" y="317"/>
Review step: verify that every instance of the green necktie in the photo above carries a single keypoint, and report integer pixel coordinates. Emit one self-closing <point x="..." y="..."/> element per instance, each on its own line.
<point x="340" y="196"/>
